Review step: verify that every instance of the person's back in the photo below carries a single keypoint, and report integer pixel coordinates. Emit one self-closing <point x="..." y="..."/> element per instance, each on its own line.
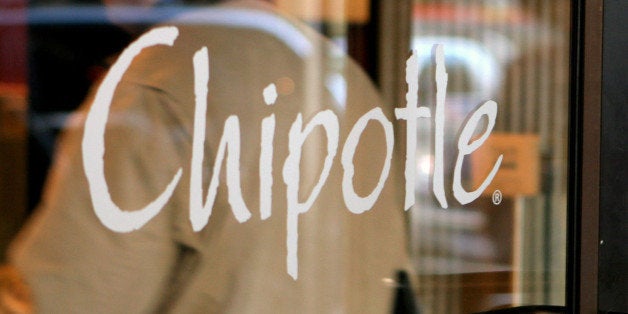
<point x="269" y="81"/>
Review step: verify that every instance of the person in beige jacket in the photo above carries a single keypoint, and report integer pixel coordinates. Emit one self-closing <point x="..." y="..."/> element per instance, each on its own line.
<point x="260" y="64"/>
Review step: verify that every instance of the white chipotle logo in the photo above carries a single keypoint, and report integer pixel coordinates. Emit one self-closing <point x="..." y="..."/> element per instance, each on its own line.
<point x="118" y="220"/>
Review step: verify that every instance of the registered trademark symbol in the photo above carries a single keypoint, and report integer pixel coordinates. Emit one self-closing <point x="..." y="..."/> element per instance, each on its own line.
<point x="497" y="197"/>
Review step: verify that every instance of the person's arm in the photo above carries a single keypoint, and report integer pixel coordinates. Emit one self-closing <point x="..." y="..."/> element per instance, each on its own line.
<point x="71" y="261"/>
<point x="15" y="296"/>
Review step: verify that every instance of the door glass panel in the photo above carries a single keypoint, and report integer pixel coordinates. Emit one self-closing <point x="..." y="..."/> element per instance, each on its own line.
<point x="250" y="156"/>
<point x="507" y="248"/>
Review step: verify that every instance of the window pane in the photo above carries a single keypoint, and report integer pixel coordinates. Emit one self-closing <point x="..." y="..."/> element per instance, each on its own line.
<point x="249" y="157"/>
<point x="508" y="247"/>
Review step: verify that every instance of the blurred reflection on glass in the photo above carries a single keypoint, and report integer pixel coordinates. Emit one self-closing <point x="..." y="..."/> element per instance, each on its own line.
<point x="13" y="124"/>
<point x="507" y="248"/>
<point x="262" y="67"/>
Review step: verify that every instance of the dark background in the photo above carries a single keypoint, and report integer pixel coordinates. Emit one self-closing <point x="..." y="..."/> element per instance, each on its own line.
<point x="613" y="250"/>
<point x="66" y="56"/>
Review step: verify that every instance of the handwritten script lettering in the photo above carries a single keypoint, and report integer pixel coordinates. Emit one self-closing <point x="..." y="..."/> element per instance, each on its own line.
<point x="118" y="220"/>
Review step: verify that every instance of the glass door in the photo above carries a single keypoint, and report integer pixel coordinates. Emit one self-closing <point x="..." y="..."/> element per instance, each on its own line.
<point x="316" y="156"/>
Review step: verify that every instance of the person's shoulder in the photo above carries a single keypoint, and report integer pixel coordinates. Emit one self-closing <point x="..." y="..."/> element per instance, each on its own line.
<point x="240" y="19"/>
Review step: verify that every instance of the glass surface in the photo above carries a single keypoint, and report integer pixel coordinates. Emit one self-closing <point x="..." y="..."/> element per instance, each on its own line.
<point x="230" y="159"/>
<point x="508" y="247"/>
<point x="322" y="200"/>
